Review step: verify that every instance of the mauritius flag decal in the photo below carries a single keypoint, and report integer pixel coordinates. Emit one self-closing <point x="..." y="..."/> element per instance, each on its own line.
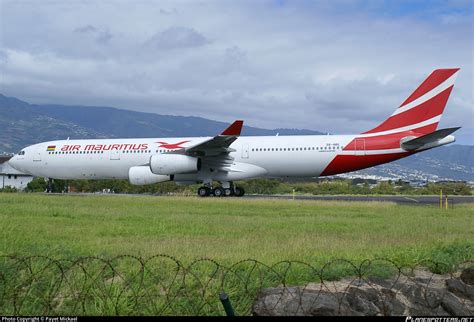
<point x="51" y="148"/>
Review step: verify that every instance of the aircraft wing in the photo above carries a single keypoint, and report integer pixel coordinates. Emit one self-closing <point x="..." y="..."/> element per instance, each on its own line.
<point x="218" y="144"/>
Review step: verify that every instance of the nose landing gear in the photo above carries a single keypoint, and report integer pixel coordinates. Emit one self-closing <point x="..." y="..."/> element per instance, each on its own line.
<point x="50" y="186"/>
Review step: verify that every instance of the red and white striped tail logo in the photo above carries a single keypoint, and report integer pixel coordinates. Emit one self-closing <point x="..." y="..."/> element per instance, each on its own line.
<point x="422" y="110"/>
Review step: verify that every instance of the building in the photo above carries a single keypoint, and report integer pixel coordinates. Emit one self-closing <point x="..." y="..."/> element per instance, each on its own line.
<point x="10" y="177"/>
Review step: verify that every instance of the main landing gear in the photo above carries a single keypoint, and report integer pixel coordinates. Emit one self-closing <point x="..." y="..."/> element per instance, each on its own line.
<point x="231" y="191"/>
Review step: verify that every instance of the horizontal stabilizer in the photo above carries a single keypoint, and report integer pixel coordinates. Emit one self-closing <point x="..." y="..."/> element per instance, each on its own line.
<point x="428" y="140"/>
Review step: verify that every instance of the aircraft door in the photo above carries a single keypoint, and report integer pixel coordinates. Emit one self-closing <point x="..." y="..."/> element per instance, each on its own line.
<point x="245" y="151"/>
<point x="37" y="155"/>
<point x="115" y="155"/>
<point x="359" y="147"/>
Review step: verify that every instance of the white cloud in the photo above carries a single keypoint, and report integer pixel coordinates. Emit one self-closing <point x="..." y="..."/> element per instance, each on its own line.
<point x="101" y="35"/>
<point x="318" y="65"/>
<point x="177" y="38"/>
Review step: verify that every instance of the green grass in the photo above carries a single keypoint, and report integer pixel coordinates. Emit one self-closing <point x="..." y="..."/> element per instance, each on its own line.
<point x="229" y="230"/>
<point x="224" y="230"/>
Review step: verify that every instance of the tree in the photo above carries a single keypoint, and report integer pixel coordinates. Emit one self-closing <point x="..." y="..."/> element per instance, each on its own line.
<point x="38" y="184"/>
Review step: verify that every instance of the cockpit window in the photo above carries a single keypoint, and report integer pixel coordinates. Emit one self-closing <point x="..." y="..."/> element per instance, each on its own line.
<point x="21" y="153"/>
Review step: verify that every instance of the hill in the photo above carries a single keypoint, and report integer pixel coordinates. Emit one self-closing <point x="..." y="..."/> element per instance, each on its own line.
<point x="24" y="124"/>
<point x="452" y="162"/>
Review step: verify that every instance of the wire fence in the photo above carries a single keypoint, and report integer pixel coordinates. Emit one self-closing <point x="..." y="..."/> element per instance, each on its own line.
<point x="162" y="285"/>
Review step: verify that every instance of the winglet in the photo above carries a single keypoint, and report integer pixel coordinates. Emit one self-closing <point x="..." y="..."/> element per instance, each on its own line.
<point x="234" y="129"/>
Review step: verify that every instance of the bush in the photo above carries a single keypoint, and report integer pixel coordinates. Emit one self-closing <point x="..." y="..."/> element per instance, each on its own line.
<point x="9" y="189"/>
<point x="36" y="185"/>
<point x="259" y="186"/>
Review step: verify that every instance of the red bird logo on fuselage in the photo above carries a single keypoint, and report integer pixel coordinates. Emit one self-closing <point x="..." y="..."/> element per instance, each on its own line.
<point x="167" y="145"/>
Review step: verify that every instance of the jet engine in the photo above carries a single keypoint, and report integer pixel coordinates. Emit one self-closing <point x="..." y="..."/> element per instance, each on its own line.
<point x="142" y="175"/>
<point x="168" y="164"/>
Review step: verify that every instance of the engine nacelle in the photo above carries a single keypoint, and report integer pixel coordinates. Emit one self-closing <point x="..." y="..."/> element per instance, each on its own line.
<point x="168" y="164"/>
<point x="142" y="175"/>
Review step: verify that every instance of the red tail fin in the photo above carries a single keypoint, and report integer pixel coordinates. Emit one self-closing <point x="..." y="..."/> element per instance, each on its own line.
<point x="422" y="110"/>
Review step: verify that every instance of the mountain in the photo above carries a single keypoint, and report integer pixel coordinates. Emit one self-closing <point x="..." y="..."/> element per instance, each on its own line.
<point x="23" y="124"/>
<point x="452" y="162"/>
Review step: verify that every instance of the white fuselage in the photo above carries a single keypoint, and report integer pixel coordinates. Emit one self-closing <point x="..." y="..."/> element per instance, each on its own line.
<point x="280" y="156"/>
<point x="229" y="156"/>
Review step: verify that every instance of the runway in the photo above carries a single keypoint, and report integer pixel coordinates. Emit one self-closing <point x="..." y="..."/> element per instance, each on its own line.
<point x="413" y="200"/>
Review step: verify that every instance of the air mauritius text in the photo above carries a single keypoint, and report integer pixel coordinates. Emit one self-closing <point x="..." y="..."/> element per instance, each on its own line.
<point x="105" y="147"/>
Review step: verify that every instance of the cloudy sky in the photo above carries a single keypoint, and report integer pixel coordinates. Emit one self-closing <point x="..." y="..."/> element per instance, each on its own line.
<point x="332" y="66"/>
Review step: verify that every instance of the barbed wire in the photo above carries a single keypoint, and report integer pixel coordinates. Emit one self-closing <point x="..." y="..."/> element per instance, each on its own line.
<point x="162" y="285"/>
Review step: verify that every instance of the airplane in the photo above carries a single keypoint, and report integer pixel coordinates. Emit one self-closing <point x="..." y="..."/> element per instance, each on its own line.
<point x="228" y="157"/>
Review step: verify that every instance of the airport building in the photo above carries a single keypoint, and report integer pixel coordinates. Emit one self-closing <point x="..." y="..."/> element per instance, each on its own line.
<point x="9" y="177"/>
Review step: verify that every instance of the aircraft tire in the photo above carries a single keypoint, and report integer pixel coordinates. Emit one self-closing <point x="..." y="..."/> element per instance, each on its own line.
<point x="239" y="191"/>
<point x="204" y="192"/>
<point x="219" y="192"/>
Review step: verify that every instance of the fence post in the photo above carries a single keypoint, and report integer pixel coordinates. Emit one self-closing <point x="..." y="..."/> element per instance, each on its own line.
<point x="441" y="199"/>
<point x="229" y="310"/>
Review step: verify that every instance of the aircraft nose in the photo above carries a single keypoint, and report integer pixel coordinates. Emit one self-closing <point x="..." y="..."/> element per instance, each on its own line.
<point x="13" y="162"/>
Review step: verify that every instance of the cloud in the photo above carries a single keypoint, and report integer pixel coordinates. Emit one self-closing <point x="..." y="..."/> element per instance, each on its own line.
<point x="176" y="38"/>
<point x="101" y="35"/>
<point x="3" y="57"/>
<point x="168" y="12"/>
<point x="328" y="66"/>
<point x="86" y="29"/>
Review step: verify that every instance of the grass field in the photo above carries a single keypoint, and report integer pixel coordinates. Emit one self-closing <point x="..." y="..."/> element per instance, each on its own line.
<point x="188" y="228"/>
<point x="229" y="230"/>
